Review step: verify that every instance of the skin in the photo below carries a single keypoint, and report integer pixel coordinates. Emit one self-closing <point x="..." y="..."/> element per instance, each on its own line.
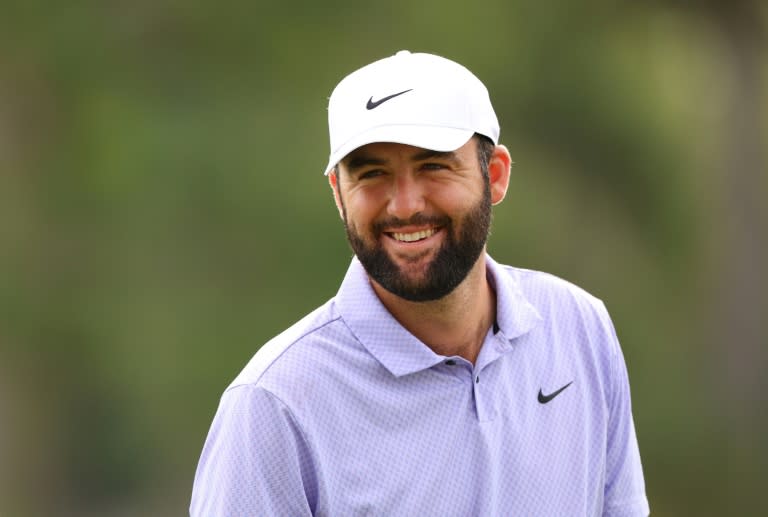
<point x="383" y="181"/>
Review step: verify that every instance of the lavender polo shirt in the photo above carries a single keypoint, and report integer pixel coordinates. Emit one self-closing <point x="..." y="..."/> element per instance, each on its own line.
<point x="347" y="414"/>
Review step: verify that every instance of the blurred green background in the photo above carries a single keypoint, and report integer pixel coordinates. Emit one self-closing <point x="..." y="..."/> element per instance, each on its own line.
<point x="163" y="213"/>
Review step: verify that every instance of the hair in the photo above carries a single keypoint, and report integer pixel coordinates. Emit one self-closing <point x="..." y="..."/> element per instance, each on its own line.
<point x="485" y="147"/>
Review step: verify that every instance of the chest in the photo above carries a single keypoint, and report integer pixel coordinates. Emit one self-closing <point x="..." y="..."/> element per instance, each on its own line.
<point x="452" y="442"/>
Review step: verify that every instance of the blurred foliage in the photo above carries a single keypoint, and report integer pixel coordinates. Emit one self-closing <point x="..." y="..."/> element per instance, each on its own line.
<point x="163" y="213"/>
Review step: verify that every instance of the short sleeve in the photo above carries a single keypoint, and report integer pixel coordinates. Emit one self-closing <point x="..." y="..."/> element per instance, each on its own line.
<point x="255" y="460"/>
<point x="625" y="486"/>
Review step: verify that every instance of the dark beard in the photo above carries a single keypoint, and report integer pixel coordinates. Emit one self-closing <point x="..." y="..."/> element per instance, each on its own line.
<point x="448" y="269"/>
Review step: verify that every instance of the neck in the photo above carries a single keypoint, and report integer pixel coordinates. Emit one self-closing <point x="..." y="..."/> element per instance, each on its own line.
<point x="454" y="325"/>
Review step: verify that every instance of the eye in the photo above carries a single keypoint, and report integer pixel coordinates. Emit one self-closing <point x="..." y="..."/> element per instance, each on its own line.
<point x="370" y="174"/>
<point x="433" y="166"/>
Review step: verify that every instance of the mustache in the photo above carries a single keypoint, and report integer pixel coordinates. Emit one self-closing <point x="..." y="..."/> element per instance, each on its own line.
<point x="393" y="223"/>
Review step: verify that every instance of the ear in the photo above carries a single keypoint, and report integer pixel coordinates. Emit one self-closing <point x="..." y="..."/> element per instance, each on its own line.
<point x="499" y="168"/>
<point x="333" y="180"/>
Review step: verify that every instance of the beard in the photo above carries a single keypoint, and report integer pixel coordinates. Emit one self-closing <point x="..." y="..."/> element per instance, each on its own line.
<point x="451" y="265"/>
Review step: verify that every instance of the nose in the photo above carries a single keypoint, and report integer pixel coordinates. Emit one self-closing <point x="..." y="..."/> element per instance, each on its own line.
<point x="406" y="197"/>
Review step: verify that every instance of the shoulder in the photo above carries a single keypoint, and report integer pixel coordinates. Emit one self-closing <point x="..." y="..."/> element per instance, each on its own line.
<point x="291" y="348"/>
<point x="545" y="289"/>
<point x="307" y="368"/>
<point x="564" y="307"/>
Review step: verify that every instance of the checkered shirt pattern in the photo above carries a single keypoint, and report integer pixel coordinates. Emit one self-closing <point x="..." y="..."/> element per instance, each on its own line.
<point x="347" y="414"/>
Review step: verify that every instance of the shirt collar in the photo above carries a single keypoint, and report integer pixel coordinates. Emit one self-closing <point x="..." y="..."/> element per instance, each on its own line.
<point x="394" y="346"/>
<point x="515" y="315"/>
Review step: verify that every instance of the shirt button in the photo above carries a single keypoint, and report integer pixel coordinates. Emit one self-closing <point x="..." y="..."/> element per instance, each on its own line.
<point x="450" y="362"/>
<point x="477" y="379"/>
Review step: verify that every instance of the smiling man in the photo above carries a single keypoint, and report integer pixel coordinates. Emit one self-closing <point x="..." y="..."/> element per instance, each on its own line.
<point x="437" y="382"/>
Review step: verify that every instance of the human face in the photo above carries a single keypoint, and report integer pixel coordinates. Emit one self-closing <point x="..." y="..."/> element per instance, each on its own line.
<point x="417" y="219"/>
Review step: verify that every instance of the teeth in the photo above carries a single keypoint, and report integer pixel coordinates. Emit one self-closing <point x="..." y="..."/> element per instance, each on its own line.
<point x="416" y="236"/>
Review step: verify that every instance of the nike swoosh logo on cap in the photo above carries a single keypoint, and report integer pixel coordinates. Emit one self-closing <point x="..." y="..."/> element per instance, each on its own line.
<point x="373" y="104"/>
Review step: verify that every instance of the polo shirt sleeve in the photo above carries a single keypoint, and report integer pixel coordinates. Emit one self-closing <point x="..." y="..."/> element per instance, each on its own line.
<point x="255" y="460"/>
<point x="625" y="486"/>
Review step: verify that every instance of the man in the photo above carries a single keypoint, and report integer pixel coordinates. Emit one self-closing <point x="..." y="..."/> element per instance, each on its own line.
<point x="437" y="382"/>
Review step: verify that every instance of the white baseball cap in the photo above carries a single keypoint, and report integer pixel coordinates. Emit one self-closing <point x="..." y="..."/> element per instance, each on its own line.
<point x="416" y="99"/>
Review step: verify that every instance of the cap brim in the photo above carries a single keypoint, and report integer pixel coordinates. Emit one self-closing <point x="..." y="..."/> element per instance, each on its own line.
<point x="430" y="137"/>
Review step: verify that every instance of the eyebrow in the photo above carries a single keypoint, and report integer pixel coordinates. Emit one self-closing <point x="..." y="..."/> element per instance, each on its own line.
<point x="428" y="154"/>
<point x="360" y="160"/>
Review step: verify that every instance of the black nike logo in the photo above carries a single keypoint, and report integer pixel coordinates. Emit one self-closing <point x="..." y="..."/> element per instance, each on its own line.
<point x="546" y="398"/>
<point x="373" y="104"/>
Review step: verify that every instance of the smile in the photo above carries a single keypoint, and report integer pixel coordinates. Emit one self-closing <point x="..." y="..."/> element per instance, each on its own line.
<point x="415" y="236"/>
